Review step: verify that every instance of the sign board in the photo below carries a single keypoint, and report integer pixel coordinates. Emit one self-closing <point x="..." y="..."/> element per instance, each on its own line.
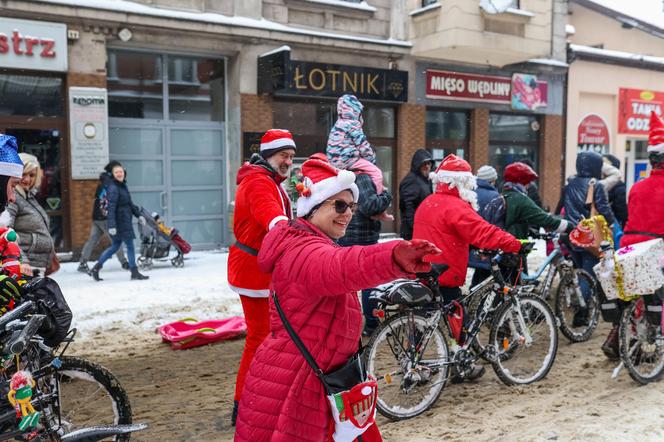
<point x="88" y="125"/>
<point x="450" y="85"/>
<point x="593" y="134"/>
<point x="279" y="75"/>
<point x="640" y="170"/>
<point x="528" y="93"/>
<point x="36" y="45"/>
<point x="634" y="110"/>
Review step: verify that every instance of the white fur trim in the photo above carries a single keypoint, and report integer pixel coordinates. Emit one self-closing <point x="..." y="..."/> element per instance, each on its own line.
<point x="11" y="169"/>
<point x="275" y="220"/>
<point x="562" y="227"/>
<point x="324" y="189"/>
<point x="659" y="148"/>
<point x="437" y="177"/>
<point x="279" y="142"/>
<point x="10" y="263"/>
<point x="252" y="293"/>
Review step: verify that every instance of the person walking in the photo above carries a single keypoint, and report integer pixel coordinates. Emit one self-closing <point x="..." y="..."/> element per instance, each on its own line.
<point x="261" y="203"/>
<point x="315" y="282"/>
<point x="99" y="227"/>
<point x="414" y="187"/>
<point x="120" y="228"/>
<point x="30" y="221"/>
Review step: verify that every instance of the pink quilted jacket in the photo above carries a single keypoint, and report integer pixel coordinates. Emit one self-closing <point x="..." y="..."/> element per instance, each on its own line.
<point x="317" y="283"/>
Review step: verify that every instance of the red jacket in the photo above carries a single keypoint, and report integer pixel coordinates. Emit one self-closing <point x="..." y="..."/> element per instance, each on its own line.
<point x="260" y="202"/>
<point x="451" y="224"/>
<point x="316" y="282"/>
<point x="645" y="209"/>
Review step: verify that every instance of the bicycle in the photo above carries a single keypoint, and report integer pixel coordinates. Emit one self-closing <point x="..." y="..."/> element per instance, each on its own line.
<point x="410" y="357"/>
<point x="577" y="316"/>
<point x="77" y="400"/>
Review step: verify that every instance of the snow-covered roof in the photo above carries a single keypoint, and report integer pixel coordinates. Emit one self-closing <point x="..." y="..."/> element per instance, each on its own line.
<point x="625" y="58"/>
<point x="362" y="6"/>
<point x="646" y="15"/>
<point x="130" y="7"/>
<point x="548" y="62"/>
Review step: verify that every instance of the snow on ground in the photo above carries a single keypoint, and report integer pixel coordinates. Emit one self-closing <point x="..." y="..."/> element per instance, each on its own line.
<point x="198" y="290"/>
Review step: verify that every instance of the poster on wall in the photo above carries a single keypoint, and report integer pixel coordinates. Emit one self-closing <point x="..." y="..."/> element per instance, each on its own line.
<point x="88" y="125"/>
<point x="634" y="110"/>
<point x="528" y="93"/>
<point x="593" y="135"/>
<point x="641" y="170"/>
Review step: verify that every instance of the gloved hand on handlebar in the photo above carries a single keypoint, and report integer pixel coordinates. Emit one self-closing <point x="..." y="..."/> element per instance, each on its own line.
<point x="415" y="256"/>
<point x="526" y="246"/>
<point x="10" y="293"/>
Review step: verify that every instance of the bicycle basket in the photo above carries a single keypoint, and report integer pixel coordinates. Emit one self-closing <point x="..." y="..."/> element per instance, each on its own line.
<point x="409" y="293"/>
<point x="47" y="295"/>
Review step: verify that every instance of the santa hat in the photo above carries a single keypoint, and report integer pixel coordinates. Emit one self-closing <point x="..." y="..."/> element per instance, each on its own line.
<point x="275" y="140"/>
<point x="656" y="136"/>
<point x="321" y="181"/>
<point x="452" y="166"/>
<point x="10" y="162"/>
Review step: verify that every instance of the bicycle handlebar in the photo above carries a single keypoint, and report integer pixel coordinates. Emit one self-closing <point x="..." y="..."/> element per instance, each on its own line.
<point x="17" y="343"/>
<point x="18" y="312"/>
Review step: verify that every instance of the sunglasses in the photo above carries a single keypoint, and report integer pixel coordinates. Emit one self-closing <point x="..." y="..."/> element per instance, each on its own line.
<point x="340" y="206"/>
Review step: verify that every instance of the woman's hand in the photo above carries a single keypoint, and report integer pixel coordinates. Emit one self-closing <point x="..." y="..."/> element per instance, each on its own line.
<point x="409" y="255"/>
<point x="26" y="269"/>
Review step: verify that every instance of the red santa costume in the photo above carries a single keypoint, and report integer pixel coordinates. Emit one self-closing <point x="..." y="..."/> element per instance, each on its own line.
<point x="260" y="203"/>
<point x="645" y="205"/>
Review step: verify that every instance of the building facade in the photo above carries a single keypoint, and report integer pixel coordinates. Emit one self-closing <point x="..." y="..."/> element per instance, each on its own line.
<point x="180" y="92"/>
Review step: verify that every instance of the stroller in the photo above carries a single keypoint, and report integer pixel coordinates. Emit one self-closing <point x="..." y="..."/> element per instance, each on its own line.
<point x="156" y="242"/>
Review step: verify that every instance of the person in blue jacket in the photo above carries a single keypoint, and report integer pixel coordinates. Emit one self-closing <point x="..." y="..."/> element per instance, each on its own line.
<point x="120" y="212"/>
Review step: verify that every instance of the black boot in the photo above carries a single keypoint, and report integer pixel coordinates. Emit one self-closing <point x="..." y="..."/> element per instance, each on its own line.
<point x="136" y="275"/>
<point x="83" y="268"/>
<point x="580" y="318"/>
<point x="94" y="272"/>
<point x="234" y="415"/>
<point x="611" y="346"/>
<point x="125" y="265"/>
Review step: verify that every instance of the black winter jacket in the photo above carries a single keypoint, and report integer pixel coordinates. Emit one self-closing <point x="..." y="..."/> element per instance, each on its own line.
<point x="121" y="209"/>
<point x="101" y="193"/>
<point x="412" y="191"/>
<point x="588" y="166"/>
<point x="362" y="230"/>
<point x="618" y="201"/>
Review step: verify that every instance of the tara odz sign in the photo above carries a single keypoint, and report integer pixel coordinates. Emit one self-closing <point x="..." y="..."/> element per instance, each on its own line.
<point x="279" y="75"/>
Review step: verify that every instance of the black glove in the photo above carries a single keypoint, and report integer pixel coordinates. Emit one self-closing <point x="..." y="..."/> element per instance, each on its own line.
<point x="10" y="293"/>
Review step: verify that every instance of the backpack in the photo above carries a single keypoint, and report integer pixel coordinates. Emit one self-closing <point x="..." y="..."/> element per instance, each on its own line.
<point x="495" y="212"/>
<point x="102" y="201"/>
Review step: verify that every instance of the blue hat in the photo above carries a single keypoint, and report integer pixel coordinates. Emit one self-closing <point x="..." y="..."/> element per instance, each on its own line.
<point x="10" y="163"/>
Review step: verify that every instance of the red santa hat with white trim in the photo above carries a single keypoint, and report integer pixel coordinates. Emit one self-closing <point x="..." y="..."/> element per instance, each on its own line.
<point x="451" y="166"/>
<point x="656" y="135"/>
<point x="275" y="140"/>
<point x="322" y="181"/>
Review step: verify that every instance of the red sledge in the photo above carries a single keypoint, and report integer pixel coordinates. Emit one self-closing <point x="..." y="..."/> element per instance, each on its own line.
<point x="188" y="333"/>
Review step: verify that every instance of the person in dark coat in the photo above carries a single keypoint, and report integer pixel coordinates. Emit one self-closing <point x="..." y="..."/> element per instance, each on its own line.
<point x="99" y="226"/>
<point x="618" y="194"/>
<point x="486" y="186"/>
<point x="413" y="189"/>
<point x="120" y="212"/>
<point x="532" y="189"/>
<point x="589" y="169"/>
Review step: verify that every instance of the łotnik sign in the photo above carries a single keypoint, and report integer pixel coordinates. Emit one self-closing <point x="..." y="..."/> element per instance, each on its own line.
<point x="26" y="44"/>
<point x="593" y="134"/>
<point x="88" y="122"/>
<point x="279" y="75"/>
<point x="634" y="110"/>
<point x="468" y="87"/>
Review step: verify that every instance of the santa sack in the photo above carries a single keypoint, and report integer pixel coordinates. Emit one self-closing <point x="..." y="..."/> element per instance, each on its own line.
<point x="351" y="393"/>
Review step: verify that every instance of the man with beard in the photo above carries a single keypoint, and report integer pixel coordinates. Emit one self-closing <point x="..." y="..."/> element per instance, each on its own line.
<point x="260" y="203"/>
<point x="448" y="218"/>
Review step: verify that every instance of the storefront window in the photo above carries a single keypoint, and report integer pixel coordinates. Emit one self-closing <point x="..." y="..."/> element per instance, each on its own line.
<point x="30" y="95"/>
<point x="135" y="85"/>
<point x="195" y="89"/>
<point x="512" y="138"/>
<point x="447" y="133"/>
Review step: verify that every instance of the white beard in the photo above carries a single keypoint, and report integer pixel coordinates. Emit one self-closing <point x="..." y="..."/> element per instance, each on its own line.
<point x="466" y="187"/>
<point x="5" y="218"/>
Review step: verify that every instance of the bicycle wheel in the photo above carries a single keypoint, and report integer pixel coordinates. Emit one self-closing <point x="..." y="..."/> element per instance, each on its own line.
<point x="641" y="344"/>
<point x="577" y="324"/>
<point x="407" y="355"/>
<point x="483" y="336"/>
<point x="526" y="350"/>
<point x="89" y="395"/>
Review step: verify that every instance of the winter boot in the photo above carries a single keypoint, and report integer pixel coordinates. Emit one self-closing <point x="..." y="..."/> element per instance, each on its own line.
<point x="125" y="265"/>
<point x="611" y="346"/>
<point x="235" y="410"/>
<point x="94" y="272"/>
<point x="136" y="275"/>
<point x="580" y="318"/>
<point x="83" y="268"/>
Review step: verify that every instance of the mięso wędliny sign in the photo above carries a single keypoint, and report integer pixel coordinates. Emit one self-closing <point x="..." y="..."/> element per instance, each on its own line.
<point x="279" y="75"/>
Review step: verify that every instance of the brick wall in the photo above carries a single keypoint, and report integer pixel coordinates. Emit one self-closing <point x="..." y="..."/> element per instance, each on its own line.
<point x="81" y="192"/>
<point x="411" y="120"/>
<point x="256" y="112"/>
<point x="551" y="150"/>
<point x="479" y="138"/>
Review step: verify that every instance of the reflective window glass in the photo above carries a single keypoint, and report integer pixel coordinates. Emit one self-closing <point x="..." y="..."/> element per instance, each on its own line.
<point x="195" y="89"/>
<point x="513" y="138"/>
<point x="132" y="141"/>
<point x="30" y="95"/>
<point x="196" y="173"/>
<point x="135" y="85"/>
<point x="196" y="142"/>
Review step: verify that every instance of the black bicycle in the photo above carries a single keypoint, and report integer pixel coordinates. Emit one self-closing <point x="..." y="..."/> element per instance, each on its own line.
<point x="412" y="351"/>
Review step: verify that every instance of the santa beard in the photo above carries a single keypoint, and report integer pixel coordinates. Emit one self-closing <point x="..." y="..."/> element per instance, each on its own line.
<point x="466" y="186"/>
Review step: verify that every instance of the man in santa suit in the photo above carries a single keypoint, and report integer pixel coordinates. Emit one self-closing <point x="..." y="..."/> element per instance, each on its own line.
<point x="260" y="203"/>
<point x="448" y="218"/>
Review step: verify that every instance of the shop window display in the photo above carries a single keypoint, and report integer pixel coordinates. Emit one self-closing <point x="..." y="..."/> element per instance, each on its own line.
<point x="447" y="133"/>
<point x="513" y="138"/>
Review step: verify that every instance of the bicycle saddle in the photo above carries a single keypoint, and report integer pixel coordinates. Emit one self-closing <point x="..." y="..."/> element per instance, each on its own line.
<point x="409" y="293"/>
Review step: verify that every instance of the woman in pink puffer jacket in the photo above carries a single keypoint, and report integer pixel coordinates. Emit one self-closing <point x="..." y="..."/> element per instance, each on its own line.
<point x="316" y="282"/>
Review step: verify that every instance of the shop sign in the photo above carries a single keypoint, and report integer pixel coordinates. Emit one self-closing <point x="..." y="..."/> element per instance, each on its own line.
<point x="88" y="123"/>
<point x="641" y="171"/>
<point x="36" y="45"/>
<point x="528" y="93"/>
<point x="635" y="106"/>
<point x="279" y="75"/>
<point x="448" y="85"/>
<point x="251" y="144"/>
<point x="593" y="134"/>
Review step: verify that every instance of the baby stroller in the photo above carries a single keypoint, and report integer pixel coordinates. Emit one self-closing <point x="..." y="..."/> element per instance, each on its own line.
<point x="156" y="242"/>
